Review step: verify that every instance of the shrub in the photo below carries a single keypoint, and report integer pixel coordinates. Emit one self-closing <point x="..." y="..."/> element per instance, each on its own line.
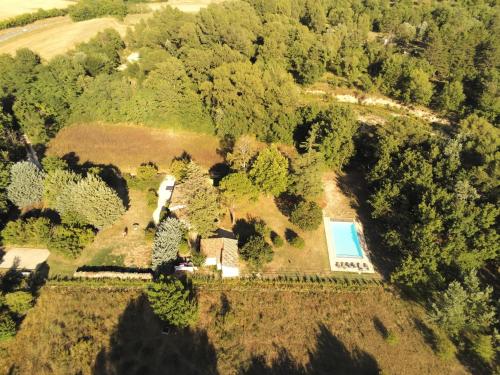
<point x="152" y="199"/>
<point x="69" y="240"/>
<point x="88" y="9"/>
<point x="145" y="178"/>
<point x="33" y="231"/>
<point x="19" y="302"/>
<point x="198" y="258"/>
<point x="391" y="338"/>
<point x="297" y="242"/>
<point x="257" y="251"/>
<point x="167" y="241"/>
<point x="13" y="233"/>
<point x="261" y="228"/>
<point x="178" y="169"/>
<point x="26" y="184"/>
<point x="307" y="215"/>
<point x="7" y="326"/>
<point x="277" y="240"/>
<point x="172" y="302"/>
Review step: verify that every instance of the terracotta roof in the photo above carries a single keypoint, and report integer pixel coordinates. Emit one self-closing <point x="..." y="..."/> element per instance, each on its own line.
<point x="230" y="252"/>
<point x="211" y="247"/>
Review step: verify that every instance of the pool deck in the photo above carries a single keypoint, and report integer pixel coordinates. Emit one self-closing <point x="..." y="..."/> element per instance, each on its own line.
<point x="347" y="264"/>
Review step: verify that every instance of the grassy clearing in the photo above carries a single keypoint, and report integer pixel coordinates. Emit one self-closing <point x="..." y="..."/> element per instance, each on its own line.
<point x="12" y="8"/>
<point x="110" y="247"/>
<point x="91" y="330"/>
<point x="127" y="146"/>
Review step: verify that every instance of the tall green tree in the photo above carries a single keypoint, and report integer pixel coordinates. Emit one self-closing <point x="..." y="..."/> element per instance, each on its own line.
<point x="172" y="302"/>
<point x="269" y="172"/>
<point x="305" y="177"/>
<point x="26" y="184"/>
<point x="331" y="134"/>
<point x="167" y="242"/>
<point x="235" y="188"/>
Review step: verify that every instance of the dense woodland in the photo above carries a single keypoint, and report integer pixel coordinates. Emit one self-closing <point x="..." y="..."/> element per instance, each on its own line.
<point x="237" y="68"/>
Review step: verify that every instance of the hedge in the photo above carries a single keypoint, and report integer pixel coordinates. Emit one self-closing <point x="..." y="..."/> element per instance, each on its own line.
<point x="27" y="18"/>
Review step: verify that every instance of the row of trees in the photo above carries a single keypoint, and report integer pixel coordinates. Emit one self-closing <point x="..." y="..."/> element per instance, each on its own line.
<point x="83" y="204"/>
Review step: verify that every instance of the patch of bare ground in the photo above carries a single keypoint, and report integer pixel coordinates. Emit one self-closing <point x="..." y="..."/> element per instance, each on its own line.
<point x="92" y="330"/>
<point x="127" y="146"/>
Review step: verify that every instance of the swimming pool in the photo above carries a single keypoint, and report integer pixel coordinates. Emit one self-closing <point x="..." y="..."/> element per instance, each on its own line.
<point x="345" y="239"/>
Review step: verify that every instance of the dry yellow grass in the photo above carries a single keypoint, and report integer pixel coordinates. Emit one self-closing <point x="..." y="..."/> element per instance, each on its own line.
<point x="127" y="146"/>
<point x="57" y="35"/>
<point x="312" y="259"/>
<point x="189" y="6"/>
<point x="12" y="8"/>
<point x="112" y="331"/>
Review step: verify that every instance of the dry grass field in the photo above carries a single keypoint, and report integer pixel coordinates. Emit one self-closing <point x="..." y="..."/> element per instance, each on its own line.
<point x="312" y="259"/>
<point x="90" y="330"/>
<point x="12" y="8"/>
<point x="127" y="146"/>
<point x="57" y="35"/>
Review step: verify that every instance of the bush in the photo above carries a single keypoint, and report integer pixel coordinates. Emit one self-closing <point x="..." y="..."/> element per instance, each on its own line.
<point x="198" y="258"/>
<point x="69" y="240"/>
<point x="172" y="302"/>
<point x="152" y="199"/>
<point x="277" y="240"/>
<point x="178" y="168"/>
<point x="33" y="232"/>
<point x="307" y="215"/>
<point x="88" y="9"/>
<point x="7" y="326"/>
<point x="261" y="228"/>
<point x="297" y="242"/>
<point x="257" y="251"/>
<point x="146" y="177"/>
<point x="391" y="338"/>
<point x="19" y="302"/>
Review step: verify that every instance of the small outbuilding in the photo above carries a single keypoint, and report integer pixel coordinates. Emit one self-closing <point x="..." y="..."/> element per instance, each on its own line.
<point x="221" y="252"/>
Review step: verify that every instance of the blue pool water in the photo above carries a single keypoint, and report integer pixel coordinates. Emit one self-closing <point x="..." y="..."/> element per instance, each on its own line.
<point x="345" y="239"/>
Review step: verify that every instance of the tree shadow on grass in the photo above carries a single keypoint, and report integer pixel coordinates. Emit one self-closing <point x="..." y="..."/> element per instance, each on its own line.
<point x="380" y="327"/>
<point x="139" y="347"/>
<point x="330" y="357"/>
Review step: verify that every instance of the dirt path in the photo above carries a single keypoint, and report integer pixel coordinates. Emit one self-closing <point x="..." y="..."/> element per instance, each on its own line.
<point x="164" y="193"/>
<point x="367" y="100"/>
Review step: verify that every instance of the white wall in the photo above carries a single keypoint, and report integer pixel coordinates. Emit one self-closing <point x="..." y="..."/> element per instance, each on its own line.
<point x="230" y="271"/>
